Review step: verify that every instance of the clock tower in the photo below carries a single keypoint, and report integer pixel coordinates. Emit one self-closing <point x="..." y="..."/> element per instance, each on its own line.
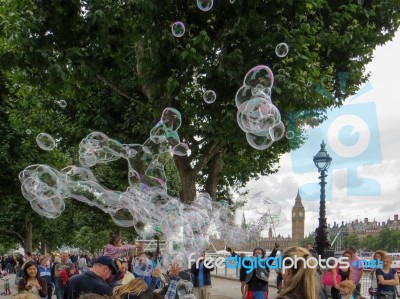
<point x="297" y="220"/>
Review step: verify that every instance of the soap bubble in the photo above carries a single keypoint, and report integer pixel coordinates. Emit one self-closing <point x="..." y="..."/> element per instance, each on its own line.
<point x="290" y="134"/>
<point x="209" y="96"/>
<point x="205" y="5"/>
<point x="45" y="141"/>
<point x="232" y="1"/>
<point x="28" y="131"/>
<point x="260" y="74"/>
<point x="281" y="50"/>
<point x="180" y="149"/>
<point x="62" y="103"/>
<point x="178" y="29"/>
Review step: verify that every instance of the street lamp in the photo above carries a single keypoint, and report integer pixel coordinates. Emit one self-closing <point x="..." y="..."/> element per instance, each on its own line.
<point x="322" y="161"/>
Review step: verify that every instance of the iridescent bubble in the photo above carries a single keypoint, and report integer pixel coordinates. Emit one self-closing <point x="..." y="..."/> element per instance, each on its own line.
<point x="277" y="131"/>
<point x="281" y="50"/>
<point x="289" y="134"/>
<point x="180" y="149"/>
<point x="62" y="103"/>
<point x="28" y="131"/>
<point x="45" y="141"/>
<point x="260" y="74"/>
<point x="205" y="5"/>
<point x="178" y="29"/>
<point x="232" y="1"/>
<point x="259" y="141"/>
<point x="209" y="96"/>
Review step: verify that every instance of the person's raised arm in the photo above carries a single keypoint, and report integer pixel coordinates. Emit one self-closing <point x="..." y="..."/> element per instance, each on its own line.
<point x="275" y="250"/>
<point x="173" y="285"/>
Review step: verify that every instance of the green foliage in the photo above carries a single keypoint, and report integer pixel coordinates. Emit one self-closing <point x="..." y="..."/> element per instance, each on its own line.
<point x="351" y="240"/>
<point x="387" y="239"/>
<point x="306" y="240"/>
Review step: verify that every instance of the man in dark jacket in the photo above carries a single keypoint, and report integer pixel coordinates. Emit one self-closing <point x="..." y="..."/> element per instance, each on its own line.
<point x="92" y="281"/>
<point x="257" y="280"/>
<point x="202" y="279"/>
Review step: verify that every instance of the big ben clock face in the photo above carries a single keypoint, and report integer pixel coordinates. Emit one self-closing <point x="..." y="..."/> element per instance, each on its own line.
<point x="293" y="214"/>
<point x="301" y="214"/>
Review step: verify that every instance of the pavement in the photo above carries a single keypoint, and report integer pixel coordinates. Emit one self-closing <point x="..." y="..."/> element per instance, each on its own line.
<point x="222" y="288"/>
<point x="228" y="288"/>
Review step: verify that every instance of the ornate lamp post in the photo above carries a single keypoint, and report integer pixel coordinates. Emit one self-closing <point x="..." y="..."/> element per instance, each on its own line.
<point x="322" y="161"/>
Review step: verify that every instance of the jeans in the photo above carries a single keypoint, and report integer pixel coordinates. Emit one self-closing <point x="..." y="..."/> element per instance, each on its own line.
<point x="60" y="290"/>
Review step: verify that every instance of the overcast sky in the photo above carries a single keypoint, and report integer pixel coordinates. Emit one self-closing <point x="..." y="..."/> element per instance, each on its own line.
<point x="377" y="143"/>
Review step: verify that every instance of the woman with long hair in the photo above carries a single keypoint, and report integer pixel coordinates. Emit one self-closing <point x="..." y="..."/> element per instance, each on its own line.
<point x="132" y="289"/>
<point x="299" y="275"/>
<point x="387" y="279"/>
<point x="378" y="256"/>
<point x="32" y="283"/>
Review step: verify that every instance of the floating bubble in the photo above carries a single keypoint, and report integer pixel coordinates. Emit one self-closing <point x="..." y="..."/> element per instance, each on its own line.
<point x="232" y="1"/>
<point x="289" y="134"/>
<point x="45" y="141"/>
<point x="180" y="149"/>
<point x="178" y="29"/>
<point x="209" y="96"/>
<point x="62" y="103"/>
<point x="281" y="50"/>
<point x="145" y="205"/>
<point x="28" y="131"/>
<point x="205" y="5"/>
<point x="277" y="131"/>
<point x="259" y="142"/>
<point x="260" y="74"/>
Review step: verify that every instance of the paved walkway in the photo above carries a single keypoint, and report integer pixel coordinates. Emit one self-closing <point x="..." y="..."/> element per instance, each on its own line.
<point x="222" y="288"/>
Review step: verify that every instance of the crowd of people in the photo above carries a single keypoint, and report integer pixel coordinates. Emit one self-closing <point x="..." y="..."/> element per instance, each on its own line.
<point x="122" y="273"/>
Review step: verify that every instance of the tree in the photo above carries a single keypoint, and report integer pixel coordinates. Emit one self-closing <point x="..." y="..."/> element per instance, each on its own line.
<point x="306" y="240"/>
<point x="122" y="59"/>
<point x="351" y="240"/>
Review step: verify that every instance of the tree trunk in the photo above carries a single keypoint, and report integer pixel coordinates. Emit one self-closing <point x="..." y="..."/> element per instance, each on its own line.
<point x="216" y="165"/>
<point x="43" y="247"/>
<point x="188" y="179"/>
<point x="28" y="236"/>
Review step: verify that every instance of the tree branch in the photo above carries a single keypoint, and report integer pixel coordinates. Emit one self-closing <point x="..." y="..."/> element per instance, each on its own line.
<point x="209" y="152"/>
<point x="117" y="90"/>
<point x="12" y="233"/>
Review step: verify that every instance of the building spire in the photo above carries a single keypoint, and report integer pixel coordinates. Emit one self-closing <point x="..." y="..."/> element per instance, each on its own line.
<point x="298" y="203"/>
<point x="244" y="225"/>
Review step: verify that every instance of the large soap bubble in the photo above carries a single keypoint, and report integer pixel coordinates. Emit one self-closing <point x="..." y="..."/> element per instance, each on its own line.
<point x="45" y="141"/>
<point x="257" y="116"/>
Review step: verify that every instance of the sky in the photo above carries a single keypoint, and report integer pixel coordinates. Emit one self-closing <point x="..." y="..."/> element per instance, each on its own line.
<point x="371" y="123"/>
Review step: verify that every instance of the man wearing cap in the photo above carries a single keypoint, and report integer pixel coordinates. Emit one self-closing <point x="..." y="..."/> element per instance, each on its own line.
<point x="92" y="281"/>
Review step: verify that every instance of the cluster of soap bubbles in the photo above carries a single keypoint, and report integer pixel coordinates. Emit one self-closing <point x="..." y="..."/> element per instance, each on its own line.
<point x="262" y="214"/>
<point x="257" y="116"/>
<point x="145" y="204"/>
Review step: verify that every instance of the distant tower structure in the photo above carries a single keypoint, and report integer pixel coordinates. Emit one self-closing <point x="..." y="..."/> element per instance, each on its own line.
<point x="270" y="233"/>
<point x="244" y="225"/>
<point x="297" y="220"/>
